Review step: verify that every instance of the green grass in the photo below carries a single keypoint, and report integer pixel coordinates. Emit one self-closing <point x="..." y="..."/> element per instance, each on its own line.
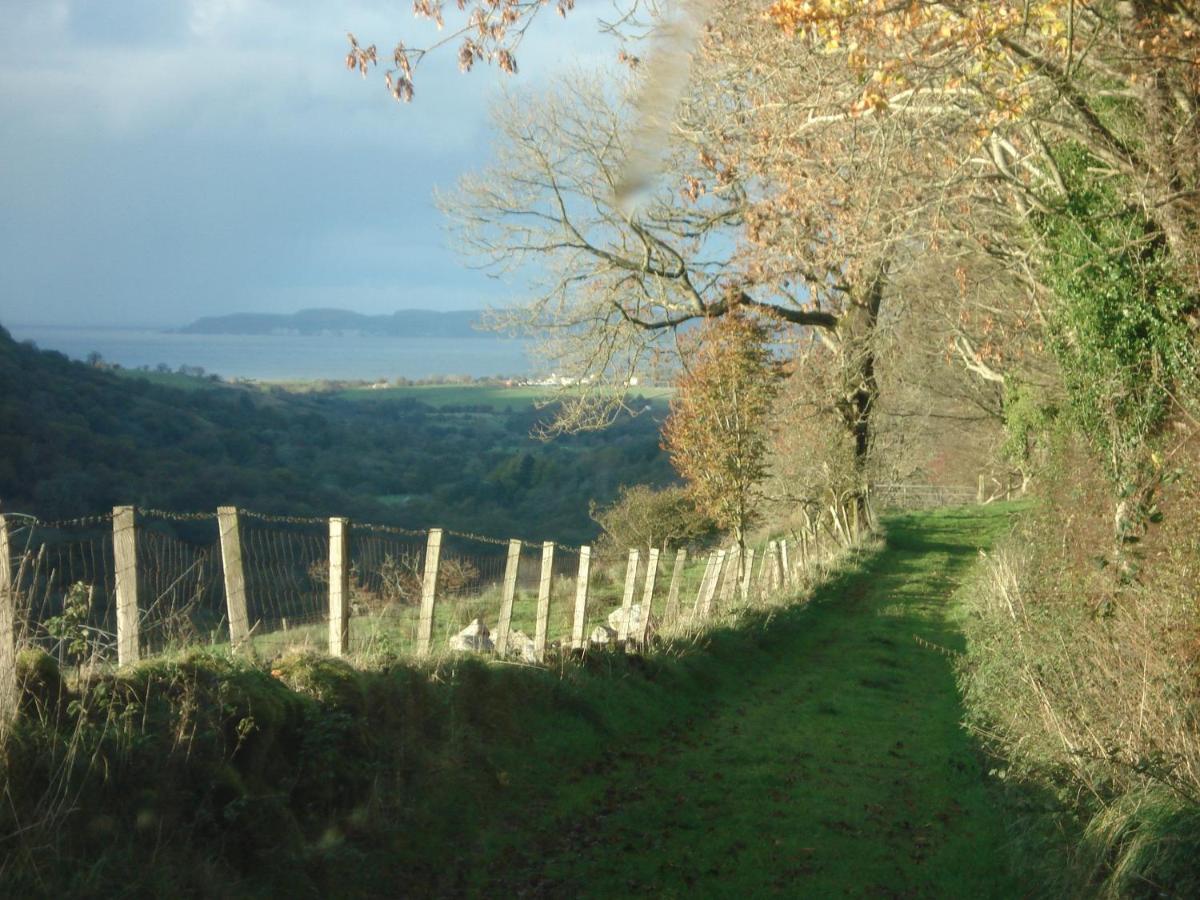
<point x="395" y="631"/>
<point x="820" y="755"/>
<point x="806" y="750"/>
<point x="173" y="380"/>
<point x="494" y="396"/>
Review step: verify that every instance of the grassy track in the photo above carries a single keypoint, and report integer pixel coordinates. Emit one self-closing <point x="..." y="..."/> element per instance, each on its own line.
<point x="824" y="757"/>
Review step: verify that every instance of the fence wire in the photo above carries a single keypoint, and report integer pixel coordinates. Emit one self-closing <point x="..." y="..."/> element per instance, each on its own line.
<point x="286" y="572"/>
<point x="64" y="573"/>
<point x="387" y="567"/>
<point x="180" y="589"/>
<point x="65" y="588"/>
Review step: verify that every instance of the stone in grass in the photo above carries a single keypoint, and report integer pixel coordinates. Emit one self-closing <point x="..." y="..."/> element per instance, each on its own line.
<point x="616" y="619"/>
<point x="475" y="638"/>
<point x="520" y="644"/>
<point x="602" y="635"/>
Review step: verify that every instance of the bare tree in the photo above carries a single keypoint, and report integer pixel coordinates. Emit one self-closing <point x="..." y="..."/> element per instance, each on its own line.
<point x="807" y="230"/>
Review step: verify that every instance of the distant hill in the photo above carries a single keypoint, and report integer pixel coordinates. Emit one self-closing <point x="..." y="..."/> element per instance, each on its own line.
<point x="411" y="323"/>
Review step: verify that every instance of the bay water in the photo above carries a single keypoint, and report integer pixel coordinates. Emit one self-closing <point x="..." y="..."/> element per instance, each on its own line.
<point x="289" y="357"/>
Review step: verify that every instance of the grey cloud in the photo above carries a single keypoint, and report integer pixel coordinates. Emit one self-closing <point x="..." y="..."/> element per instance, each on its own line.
<point x="168" y="160"/>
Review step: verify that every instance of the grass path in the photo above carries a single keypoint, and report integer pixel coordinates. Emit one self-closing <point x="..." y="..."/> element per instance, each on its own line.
<point x="826" y="760"/>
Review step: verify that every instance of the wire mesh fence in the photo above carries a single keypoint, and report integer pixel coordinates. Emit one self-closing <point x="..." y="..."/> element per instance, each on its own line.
<point x="923" y="496"/>
<point x="195" y="576"/>
<point x="179" y="587"/>
<point x="285" y="568"/>
<point x="64" y="602"/>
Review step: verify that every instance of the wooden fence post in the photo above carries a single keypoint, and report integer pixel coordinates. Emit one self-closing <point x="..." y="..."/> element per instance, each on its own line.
<point x="627" y="597"/>
<point x="339" y="586"/>
<point x="789" y="577"/>
<point x="731" y="576"/>
<point x="579" y="621"/>
<point x="979" y="491"/>
<point x="433" y="556"/>
<point x="766" y="570"/>
<point x="126" y="577"/>
<point x="648" y="594"/>
<point x="671" y="613"/>
<point x="718" y="570"/>
<point x="704" y="580"/>
<point x="545" y="586"/>
<point x="777" y="574"/>
<point x="9" y="698"/>
<point x="747" y="569"/>
<point x="235" y="576"/>
<point x="504" y="625"/>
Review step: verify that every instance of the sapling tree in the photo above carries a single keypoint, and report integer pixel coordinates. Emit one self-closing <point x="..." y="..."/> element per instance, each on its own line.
<point x="717" y="433"/>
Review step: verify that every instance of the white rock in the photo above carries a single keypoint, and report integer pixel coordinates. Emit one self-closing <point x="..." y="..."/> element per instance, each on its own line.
<point x="602" y="635"/>
<point x="616" y="619"/>
<point x="474" y="638"/>
<point x="520" y="644"/>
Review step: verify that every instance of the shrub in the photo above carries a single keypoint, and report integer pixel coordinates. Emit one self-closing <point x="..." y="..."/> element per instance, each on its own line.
<point x="643" y="516"/>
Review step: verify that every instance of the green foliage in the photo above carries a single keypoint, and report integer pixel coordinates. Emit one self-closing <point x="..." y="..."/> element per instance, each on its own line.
<point x="1029" y="418"/>
<point x="1117" y="328"/>
<point x="1080" y="678"/>
<point x="644" y="517"/>
<point x="71" y="626"/>
<point x="1143" y="845"/>
<point x="75" y="440"/>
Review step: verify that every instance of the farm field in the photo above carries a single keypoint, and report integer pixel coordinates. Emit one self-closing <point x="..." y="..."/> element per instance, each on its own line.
<point x="494" y="396"/>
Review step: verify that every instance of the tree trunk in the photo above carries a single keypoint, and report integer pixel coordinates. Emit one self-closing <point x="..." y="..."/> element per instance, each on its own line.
<point x="857" y="332"/>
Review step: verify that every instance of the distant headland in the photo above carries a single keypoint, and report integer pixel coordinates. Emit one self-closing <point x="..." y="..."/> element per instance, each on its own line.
<point x="408" y="323"/>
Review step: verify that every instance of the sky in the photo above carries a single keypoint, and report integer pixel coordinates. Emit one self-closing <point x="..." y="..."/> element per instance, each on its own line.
<point x="161" y="160"/>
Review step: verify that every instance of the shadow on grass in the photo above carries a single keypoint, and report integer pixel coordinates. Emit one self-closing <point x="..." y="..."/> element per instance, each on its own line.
<point x="819" y="754"/>
<point x="810" y="751"/>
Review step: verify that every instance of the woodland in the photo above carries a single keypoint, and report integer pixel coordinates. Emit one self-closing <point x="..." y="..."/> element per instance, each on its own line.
<point x="76" y="440"/>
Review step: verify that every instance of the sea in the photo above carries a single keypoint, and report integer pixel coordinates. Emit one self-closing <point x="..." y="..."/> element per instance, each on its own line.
<point x="290" y="357"/>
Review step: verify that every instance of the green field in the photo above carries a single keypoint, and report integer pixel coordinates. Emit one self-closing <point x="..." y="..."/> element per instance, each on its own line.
<point x="172" y="379"/>
<point x="494" y="396"/>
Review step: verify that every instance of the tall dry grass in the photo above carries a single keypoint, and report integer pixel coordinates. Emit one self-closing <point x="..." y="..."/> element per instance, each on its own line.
<point x="1084" y="677"/>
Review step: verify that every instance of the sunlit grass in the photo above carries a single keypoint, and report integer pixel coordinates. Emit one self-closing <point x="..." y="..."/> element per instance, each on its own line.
<point x="494" y="396"/>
